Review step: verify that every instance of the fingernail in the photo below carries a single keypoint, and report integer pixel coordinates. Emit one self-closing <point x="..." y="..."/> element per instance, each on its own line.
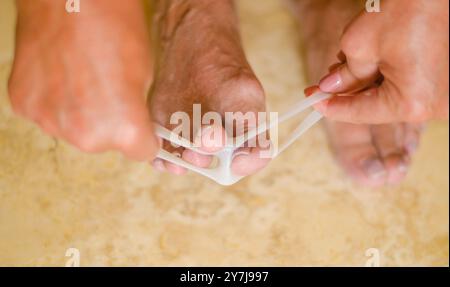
<point x="374" y="168"/>
<point x="331" y="83"/>
<point x="322" y="106"/>
<point x="310" y="91"/>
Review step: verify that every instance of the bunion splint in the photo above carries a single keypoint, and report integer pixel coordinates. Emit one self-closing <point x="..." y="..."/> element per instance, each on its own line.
<point x="221" y="172"/>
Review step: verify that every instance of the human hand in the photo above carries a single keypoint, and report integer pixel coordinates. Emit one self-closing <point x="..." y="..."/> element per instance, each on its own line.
<point x="394" y="66"/>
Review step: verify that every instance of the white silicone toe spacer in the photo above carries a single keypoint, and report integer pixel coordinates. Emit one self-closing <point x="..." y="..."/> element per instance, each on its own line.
<point x="222" y="173"/>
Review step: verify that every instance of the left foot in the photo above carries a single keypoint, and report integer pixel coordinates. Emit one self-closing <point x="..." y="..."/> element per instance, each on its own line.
<point x="201" y="61"/>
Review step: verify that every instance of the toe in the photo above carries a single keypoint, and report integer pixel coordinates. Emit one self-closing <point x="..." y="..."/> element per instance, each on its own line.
<point x="197" y="159"/>
<point x="356" y="153"/>
<point x="389" y="141"/>
<point x="247" y="161"/>
<point x="176" y="151"/>
<point x="174" y="169"/>
<point x="158" y="164"/>
<point x="211" y="139"/>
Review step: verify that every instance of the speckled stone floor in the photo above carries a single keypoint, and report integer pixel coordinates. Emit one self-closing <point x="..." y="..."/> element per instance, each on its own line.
<point x="301" y="210"/>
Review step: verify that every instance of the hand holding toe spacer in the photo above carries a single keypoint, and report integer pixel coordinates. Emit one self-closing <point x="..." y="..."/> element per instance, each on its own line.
<point x="222" y="173"/>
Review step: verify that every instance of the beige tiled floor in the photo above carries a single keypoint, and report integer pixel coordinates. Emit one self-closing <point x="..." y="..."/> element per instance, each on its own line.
<point x="299" y="211"/>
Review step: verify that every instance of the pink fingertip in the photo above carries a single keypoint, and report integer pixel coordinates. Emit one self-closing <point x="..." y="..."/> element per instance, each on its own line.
<point x="331" y="83"/>
<point x="311" y="90"/>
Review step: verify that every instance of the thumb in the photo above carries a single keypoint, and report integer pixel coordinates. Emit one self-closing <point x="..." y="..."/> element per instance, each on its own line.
<point x="350" y="76"/>
<point x="376" y="105"/>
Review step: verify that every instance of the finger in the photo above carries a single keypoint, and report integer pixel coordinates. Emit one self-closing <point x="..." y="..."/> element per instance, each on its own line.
<point x="321" y="106"/>
<point x="360" y="54"/>
<point x="376" y="105"/>
<point x="351" y="76"/>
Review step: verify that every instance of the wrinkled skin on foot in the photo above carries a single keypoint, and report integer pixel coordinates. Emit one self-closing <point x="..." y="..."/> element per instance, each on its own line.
<point x="84" y="77"/>
<point x="372" y="155"/>
<point x="201" y="61"/>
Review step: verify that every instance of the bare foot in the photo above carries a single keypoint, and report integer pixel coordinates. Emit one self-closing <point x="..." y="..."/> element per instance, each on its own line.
<point x="84" y="78"/>
<point x="201" y="61"/>
<point x="372" y="155"/>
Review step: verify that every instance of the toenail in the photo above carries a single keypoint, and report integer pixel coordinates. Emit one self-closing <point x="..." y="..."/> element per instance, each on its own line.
<point x="374" y="168"/>
<point x="243" y="151"/>
<point x="158" y="164"/>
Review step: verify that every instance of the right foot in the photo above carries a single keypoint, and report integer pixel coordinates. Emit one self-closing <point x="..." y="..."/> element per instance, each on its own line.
<point x="201" y="61"/>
